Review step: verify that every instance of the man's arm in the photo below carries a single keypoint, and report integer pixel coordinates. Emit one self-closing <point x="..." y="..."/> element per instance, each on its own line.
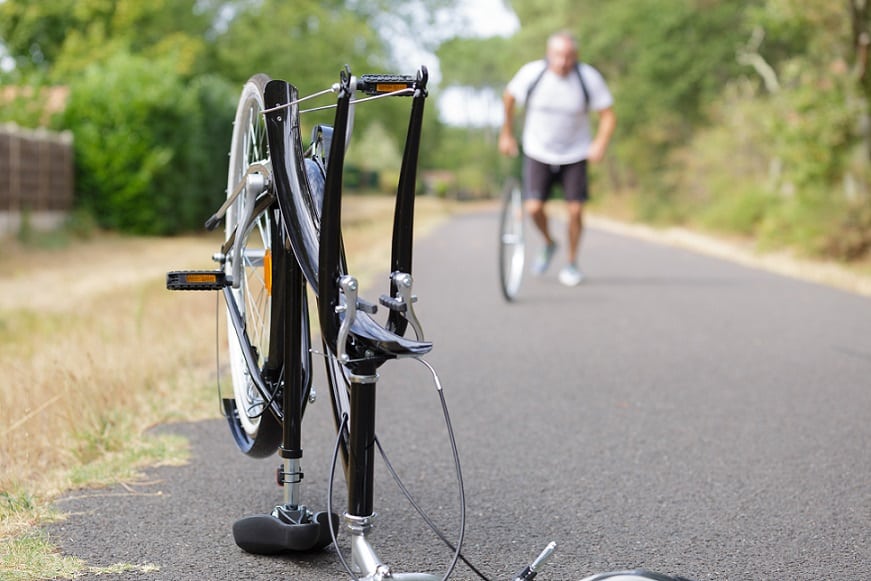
<point x="607" y="124"/>
<point x="507" y="141"/>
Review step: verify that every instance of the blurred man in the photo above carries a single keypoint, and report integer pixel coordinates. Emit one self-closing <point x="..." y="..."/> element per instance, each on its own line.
<point x="558" y="93"/>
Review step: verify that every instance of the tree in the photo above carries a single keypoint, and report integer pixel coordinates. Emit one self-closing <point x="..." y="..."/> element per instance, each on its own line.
<point x="33" y="33"/>
<point x="306" y="42"/>
<point x="59" y="39"/>
<point x="479" y="63"/>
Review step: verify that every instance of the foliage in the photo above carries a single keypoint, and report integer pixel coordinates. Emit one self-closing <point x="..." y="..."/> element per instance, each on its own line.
<point x="495" y="60"/>
<point x="539" y="19"/>
<point x="59" y="39"/>
<point x="665" y="66"/>
<point x="33" y="33"/>
<point x="469" y="162"/>
<point x="146" y="143"/>
<point x="26" y="106"/>
<point x="813" y="132"/>
<point x="148" y="124"/>
<point x="297" y="41"/>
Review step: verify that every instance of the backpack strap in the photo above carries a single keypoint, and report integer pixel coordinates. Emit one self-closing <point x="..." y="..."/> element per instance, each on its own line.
<point x="577" y="69"/>
<point x="535" y="82"/>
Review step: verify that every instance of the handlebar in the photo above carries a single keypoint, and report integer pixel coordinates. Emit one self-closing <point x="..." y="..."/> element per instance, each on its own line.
<point x="531" y="570"/>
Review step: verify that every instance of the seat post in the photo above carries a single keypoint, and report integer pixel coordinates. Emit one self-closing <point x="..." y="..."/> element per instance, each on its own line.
<point x="361" y="445"/>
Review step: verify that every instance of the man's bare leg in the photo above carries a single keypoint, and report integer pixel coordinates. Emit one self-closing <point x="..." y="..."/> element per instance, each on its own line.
<point x="576" y="229"/>
<point x="535" y="209"/>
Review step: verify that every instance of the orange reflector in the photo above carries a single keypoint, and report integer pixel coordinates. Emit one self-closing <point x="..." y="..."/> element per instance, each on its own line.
<point x="390" y="87"/>
<point x="267" y="271"/>
<point x="201" y="278"/>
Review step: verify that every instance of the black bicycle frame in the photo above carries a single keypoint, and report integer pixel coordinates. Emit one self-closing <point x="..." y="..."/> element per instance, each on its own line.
<point x="296" y="353"/>
<point x="403" y="217"/>
<point x="300" y="212"/>
<point x="316" y="232"/>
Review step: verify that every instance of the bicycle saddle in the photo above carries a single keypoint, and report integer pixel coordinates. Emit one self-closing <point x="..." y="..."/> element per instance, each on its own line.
<point x="366" y="334"/>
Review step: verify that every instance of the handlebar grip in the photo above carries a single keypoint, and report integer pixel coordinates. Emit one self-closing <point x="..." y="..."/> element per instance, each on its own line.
<point x="381" y="84"/>
<point x="212" y="223"/>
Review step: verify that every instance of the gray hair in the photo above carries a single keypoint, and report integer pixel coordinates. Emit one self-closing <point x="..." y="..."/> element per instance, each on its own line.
<point x="563" y="34"/>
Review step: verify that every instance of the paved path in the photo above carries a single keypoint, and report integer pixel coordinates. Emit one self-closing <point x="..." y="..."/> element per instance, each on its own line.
<point x="675" y="412"/>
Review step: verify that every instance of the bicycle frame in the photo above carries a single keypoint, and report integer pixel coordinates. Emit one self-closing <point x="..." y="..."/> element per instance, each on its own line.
<point x="313" y="231"/>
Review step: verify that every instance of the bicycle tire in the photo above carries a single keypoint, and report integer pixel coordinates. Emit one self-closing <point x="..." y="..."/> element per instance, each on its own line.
<point x="255" y="429"/>
<point x="512" y="241"/>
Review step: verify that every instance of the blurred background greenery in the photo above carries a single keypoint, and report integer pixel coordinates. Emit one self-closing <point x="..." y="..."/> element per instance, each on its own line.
<point x="748" y="116"/>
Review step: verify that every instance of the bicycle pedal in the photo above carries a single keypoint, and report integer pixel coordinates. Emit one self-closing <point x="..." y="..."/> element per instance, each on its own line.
<point x="196" y="280"/>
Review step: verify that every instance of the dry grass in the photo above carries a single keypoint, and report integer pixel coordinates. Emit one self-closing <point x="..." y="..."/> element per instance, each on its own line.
<point x="91" y="342"/>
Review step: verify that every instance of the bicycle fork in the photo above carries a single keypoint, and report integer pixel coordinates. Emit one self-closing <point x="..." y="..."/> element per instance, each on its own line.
<point x="359" y="519"/>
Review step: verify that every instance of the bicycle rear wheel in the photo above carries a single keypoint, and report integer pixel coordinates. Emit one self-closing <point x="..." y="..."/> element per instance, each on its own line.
<point x="249" y="220"/>
<point x="512" y="242"/>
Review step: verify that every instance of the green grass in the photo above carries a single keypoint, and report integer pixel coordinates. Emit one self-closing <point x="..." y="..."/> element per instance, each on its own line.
<point x="32" y="556"/>
<point x="120" y="462"/>
<point x="27" y="551"/>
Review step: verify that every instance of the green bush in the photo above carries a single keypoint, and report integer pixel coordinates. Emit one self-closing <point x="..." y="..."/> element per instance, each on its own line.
<point x="658" y="204"/>
<point x="207" y="155"/>
<point x="150" y="149"/>
<point x="800" y="221"/>
<point x="822" y="226"/>
<point x="741" y="213"/>
<point x="851" y="237"/>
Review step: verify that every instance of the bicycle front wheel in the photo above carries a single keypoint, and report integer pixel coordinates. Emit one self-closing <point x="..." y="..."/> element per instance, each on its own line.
<point x="250" y="223"/>
<point x="512" y="243"/>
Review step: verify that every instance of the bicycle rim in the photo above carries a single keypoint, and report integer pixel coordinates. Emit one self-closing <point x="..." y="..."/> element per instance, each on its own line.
<point x="512" y="243"/>
<point x="255" y="429"/>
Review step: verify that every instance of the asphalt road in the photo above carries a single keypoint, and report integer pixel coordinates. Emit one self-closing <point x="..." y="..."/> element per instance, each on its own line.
<point x="675" y="412"/>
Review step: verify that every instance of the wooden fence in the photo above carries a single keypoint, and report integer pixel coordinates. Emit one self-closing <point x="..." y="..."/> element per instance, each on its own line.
<point x="36" y="177"/>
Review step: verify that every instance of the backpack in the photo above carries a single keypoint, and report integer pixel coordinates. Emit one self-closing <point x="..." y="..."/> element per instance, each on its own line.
<point x="577" y="69"/>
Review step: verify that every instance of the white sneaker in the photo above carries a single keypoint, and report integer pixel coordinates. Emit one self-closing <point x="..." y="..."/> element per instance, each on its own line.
<point x="570" y="275"/>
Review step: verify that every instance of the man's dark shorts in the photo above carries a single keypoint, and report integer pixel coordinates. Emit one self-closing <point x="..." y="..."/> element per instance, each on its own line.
<point x="539" y="179"/>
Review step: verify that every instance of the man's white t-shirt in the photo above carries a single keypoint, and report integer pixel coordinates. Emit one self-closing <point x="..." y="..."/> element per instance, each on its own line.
<point x="557" y="127"/>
